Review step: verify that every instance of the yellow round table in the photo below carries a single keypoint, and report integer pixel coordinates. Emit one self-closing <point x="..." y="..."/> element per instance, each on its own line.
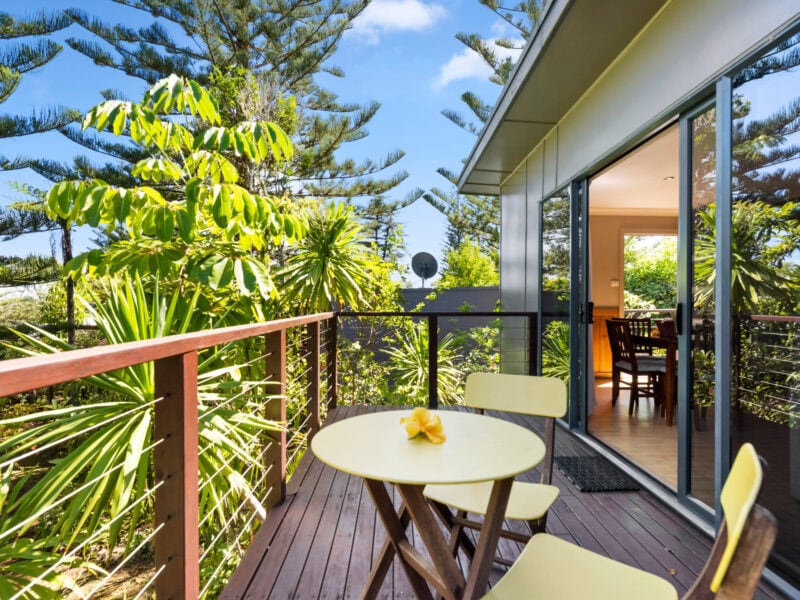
<point x="478" y="448"/>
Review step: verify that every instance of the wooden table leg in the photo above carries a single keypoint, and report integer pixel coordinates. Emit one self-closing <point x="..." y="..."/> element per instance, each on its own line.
<point x="458" y="538"/>
<point x="428" y="530"/>
<point x="487" y="540"/>
<point x="385" y="557"/>
<point x="395" y="531"/>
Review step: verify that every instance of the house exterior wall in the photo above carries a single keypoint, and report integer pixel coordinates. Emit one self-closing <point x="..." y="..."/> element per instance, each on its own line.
<point x="671" y="67"/>
<point x="513" y="270"/>
<point x="674" y="59"/>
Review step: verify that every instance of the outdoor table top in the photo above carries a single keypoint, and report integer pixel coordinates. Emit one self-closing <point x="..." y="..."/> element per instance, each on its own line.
<point x="478" y="448"/>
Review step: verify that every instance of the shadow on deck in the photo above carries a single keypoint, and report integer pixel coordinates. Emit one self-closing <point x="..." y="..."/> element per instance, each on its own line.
<point x="321" y="541"/>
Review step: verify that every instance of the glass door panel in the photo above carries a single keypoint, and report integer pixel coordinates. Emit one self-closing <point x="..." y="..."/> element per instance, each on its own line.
<point x="765" y="283"/>
<point x="700" y="329"/>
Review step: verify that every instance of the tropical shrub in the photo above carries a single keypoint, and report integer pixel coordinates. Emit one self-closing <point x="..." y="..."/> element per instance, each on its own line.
<point x="467" y="266"/>
<point x="408" y="367"/>
<point x="108" y="470"/>
<point x="555" y="351"/>
<point x="333" y="263"/>
<point x="190" y="223"/>
<point x="651" y="271"/>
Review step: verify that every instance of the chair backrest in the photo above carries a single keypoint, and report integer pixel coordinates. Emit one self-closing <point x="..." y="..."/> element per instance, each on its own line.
<point x="642" y="326"/>
<point x="619" y="336"/>
<point x="737" y="499"/>
<point x="527" y="394"/>
<point x="746" y="537"/>
<point x="667" y="330"/>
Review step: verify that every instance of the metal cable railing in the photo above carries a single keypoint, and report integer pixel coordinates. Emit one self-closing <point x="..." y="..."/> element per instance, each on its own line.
<point x="766" y="353"/>
<point x="225" y="412"/>
<point x="424" y="357"/>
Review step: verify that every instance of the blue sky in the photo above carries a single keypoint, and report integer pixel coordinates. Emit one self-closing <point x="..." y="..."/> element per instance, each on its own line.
<point x="401" y="53"/>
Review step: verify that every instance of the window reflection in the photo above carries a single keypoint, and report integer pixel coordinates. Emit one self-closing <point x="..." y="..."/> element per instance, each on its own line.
<point x="555" y="285"/>
<point x="765" y="291"/>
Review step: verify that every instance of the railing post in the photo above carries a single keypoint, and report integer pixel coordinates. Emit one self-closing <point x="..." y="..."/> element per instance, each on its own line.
<point x="312" y="389"/>
<point x="275" y="410"/>
<point x="433" y="361"/>
<point x="331" y="366"/>
<point x="177" y="544"/>
<point x="532" y="344"/>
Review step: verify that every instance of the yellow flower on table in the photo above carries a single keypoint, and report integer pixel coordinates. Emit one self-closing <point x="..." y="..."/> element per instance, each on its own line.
<point x="422" y="422"/>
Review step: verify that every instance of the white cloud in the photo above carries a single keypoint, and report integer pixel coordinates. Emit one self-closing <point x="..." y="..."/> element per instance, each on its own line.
<point x="464" y="65"/>
<point x="468" y="64"/>
<point x="382" y="16"/>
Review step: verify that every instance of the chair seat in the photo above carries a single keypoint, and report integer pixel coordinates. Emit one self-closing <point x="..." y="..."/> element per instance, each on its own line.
<point x="548" y="568"/>
<point x="528" y="501"/>
<point x="656" y="364"/>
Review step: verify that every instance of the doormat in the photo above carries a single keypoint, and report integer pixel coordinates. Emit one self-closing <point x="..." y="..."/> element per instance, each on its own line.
<point x="595" y="474"/>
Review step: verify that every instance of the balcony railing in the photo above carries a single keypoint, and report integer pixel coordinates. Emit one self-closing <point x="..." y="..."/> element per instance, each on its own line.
<point x="290" y="377"/>
<point x="174" y="487"/>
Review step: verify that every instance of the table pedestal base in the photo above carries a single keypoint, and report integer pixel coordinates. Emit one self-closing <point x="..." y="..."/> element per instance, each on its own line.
<point x="440" y="569"/>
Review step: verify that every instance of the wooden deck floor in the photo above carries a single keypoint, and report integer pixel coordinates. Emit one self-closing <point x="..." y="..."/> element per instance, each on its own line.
<point x="321" y="541"/>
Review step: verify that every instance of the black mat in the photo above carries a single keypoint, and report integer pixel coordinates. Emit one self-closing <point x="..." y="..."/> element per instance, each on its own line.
<point x="595" y="474"/>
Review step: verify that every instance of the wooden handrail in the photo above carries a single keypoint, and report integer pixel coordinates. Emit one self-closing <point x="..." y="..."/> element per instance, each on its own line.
<point x="19" y="375"/>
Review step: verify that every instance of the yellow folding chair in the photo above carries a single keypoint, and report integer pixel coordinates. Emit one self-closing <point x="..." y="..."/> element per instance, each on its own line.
<point x="540" y="396"/>
<point x="552" y="568"/>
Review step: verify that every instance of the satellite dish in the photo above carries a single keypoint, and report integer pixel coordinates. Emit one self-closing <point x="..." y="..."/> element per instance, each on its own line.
<point x="424" y="265"/>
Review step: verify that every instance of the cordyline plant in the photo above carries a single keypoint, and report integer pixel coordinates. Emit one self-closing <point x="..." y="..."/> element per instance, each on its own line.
<point x="108" y="464"/>
<point x="190" y="222"/>
<point x="408" y="367"/>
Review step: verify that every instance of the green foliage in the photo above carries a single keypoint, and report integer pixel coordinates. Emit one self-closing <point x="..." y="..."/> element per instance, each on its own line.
<point x="555" y="351"/>
<point x="16" y="311"/>
<point x="108" y="469"/>
<point x="22" y="57"/>
<point x="523" y="17"/>
<point x="479" y="349"/>
<point x="556" y="242"/>
<point x="651" y="270"/>
<point x="472" y="217"/>
<point x="15" y="270"/>
<point x="332" y="265"/>
<point x="284" y="46"/>
<point x="634" y="301"/>
<point x="195" y="225"/>
<point x="703" y="365"/>
<point x="762" y="238"/>
<point x="379" y="220"/>
<point x="467" y="266"/>
<point x="408" y="367"/>
<point x="355" y="358"/>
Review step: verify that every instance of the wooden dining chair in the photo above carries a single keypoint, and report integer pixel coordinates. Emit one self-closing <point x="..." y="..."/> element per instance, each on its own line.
<point x="550" y="567"/>
<point x="539" y="396"/>
<point x="624" y="359"/>
<point x="643" y="327"/>
<point x="667" y="330"/>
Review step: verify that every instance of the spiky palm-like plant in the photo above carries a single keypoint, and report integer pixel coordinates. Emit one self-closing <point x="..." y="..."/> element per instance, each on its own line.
<point x="408" y="366"/>
<point x="333" y="263"/>
<point x="108" y="464"/>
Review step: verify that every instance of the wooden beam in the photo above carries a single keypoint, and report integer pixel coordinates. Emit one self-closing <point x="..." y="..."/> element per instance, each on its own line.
<point x="24" y="374"/>
<point x="177" y="544"/>
<point x="313" y="384"/>
<point x="275" y="410"/>
<point x="331" y="365"/>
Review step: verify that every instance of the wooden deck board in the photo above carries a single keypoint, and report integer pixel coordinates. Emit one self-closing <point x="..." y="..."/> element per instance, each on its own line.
<point x="321" y="542"/>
